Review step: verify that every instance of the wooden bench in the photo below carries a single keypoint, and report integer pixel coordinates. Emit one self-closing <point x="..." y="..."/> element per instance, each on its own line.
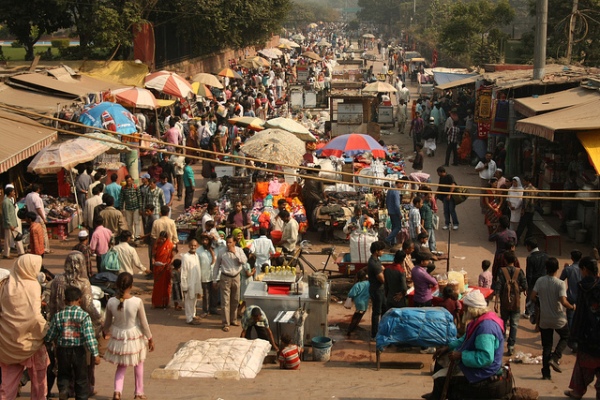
<point x="548" y="232"/>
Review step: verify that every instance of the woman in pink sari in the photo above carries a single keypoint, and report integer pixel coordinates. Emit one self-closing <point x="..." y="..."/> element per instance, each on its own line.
<point x="162" y="253"/>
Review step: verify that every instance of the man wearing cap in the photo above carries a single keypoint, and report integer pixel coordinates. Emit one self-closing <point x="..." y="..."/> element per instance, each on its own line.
<point x="84" y="248"/>
<point x="429" y="136"/>
<point x="477" y="354"/>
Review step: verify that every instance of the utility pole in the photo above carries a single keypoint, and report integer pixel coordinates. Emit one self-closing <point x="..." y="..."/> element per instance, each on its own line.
<point x="571" y="31"/>
<point x="541" y="33"/>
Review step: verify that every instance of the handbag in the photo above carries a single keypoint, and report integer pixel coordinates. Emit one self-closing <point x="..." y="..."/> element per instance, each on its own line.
<point x="18" y="237"/>
<point x="435" y="221"/>
<point x="458" y="195"/>
<point x="348" y="303"/>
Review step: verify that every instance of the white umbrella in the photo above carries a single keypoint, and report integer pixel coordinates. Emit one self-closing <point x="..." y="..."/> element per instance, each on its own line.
<point x="207" y="79"/>
<point x="275" y="146"/>
<point x="298" y="37"/>
<point x="290" y="43"/>
<point x="287" y="124"/>
<point x="368" y="36"/>
<point x="114" y="144"/>
<point x="379" y="87"/>
<point x="67" y="154"/>
<point x="324" y="43"/>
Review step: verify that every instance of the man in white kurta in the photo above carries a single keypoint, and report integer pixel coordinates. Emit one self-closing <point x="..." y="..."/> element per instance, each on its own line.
<point x="191" y="282"/>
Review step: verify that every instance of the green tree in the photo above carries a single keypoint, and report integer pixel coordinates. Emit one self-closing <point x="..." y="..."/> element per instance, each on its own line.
<point x="28" y="21"/>
<point x="384" y="13"/>
<point x="471" y="30"/>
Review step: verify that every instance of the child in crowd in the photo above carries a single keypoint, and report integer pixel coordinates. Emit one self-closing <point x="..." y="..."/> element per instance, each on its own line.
<point x="360" y="295"/>
<point x="73" y="331"/>
<point x="485" y="278"/>
<point x="289" y="355"/>
<point x="176" y="284"/>
<point x="130" y="336"/>
<point x="451" y="303"/>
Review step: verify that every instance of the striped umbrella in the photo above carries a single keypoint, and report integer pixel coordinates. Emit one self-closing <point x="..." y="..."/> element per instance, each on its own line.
<point x="136" y="97"/>
<point x="169" y="83"/>
<point x="229" y="73"/>
<point x="353" y="144"/>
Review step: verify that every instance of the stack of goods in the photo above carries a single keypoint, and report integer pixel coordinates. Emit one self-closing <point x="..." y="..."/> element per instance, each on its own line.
<point x="239" y="189"/>
<point x="191" y="218"/>
<point x="61" y="209"/>
<point x="266" y="196"/>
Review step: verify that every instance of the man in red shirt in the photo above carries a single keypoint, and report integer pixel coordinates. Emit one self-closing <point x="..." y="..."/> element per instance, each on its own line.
<point x="36" y="234"/>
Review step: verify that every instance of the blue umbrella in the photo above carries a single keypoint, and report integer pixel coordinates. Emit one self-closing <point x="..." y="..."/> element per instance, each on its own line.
<point x="110" y="116"/>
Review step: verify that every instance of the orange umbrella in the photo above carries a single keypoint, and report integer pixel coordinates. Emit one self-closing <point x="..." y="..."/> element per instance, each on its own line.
<point x="252" y="123"/>
<point x="136" y="97"/>
<point x="169" y="83"/>
<point x="229" y="73"/>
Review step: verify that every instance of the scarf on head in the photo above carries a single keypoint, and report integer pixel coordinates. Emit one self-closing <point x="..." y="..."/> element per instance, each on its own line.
<point x="22" y="326"/>
<point x="242" y="241"/>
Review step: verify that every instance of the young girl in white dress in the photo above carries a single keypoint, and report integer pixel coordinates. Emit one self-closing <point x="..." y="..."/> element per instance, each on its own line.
<point x="130" y="336"/>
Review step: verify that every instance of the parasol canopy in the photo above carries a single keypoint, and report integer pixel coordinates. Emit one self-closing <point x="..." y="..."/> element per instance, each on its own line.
<point x="229" y="73"/>
<point x="368" y="36"/>
<point x="284" y="46"/>
<point x="169" y="83"/>
<point x="312" y="55"/>
<point x="67" y="154"/>
<point x="114" y="145"/>
<point x="136" y="97"/>
<point x="379" y="87"/>
<point x="255" y="62"/>
<point x="202" y="90"/>
<point x="353" y="144"/>
<point x="312" y="25"/>
<point x="324" y="43"/>
<point x="110" y="116"/>
<point x="208" y="79"/>
<point x="287" y="124"/>
<point x="252" y="123"/>
<point x="299" y="37"/>
<point x="275" y="146"/>
<point x="290" y="43"/>
<point x="271" y="52"/>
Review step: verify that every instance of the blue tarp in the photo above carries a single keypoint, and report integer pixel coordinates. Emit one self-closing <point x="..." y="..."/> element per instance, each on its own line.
<point x="447" y="77"/>
<point x="425" y="327"/>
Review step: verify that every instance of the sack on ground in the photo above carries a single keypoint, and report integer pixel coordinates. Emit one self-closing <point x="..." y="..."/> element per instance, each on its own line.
<point x="510" y="295"/>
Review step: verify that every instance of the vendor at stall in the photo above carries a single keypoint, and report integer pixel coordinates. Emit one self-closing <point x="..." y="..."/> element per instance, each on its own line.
<point x="254" y="317"/>
<point x="478" y="355"/>
<point x="239" y="218"/>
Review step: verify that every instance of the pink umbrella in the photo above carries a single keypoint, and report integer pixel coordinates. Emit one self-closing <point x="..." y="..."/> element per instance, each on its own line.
<point x="136" y="97"/>
<point x="169" y="83"/>
<point x="353" y="144"/>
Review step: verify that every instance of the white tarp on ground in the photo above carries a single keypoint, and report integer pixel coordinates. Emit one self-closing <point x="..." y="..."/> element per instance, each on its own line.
<point x="208" y="358"/>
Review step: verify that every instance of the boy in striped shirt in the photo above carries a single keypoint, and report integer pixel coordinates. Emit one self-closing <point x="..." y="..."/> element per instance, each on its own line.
<point x="289" y="356"/>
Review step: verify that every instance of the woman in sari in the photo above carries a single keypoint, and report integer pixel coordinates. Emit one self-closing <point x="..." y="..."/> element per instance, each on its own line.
<point x="162" y="254"/>
<point x="492" y="207"/>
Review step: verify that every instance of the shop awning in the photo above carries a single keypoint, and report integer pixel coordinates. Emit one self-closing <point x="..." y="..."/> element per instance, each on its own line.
<point x="584" y="117"/>
<point x="531" y="106"/>
<point x="443" y="78"/>
<point x="34" y="101"/>
<point x="591" y="142"/>
<point x="21" y="139"/>
<point x="64" y="84"/>
<point x="459" y="82"/>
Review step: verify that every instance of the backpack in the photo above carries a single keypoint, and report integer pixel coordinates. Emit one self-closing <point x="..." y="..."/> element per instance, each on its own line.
<point x="589" y="336"/>
<point x="510" y="294"/>
<point x="110" y="261"/>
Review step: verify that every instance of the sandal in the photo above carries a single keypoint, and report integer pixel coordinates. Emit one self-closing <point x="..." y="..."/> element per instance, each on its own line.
<point x="140" y="396"/>
<point x="117" y="396"/>
<point x="225" y="328"/>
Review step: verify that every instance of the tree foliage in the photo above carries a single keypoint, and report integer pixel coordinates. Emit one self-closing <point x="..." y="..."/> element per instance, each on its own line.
<point x="304" y="13"/>
<point x="472" y="29"/>
<point x="28" y="21"/>
<point x="383" y="13"/>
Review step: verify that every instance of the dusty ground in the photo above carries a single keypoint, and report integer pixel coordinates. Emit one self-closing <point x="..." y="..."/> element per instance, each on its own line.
<point x="351" y="373"/>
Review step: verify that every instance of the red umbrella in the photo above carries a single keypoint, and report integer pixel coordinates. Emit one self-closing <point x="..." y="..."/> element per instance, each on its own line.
<point x="353" y="144"/>
<point x="169" y="83"/>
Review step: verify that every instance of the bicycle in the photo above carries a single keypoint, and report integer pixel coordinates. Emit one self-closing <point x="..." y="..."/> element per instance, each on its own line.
<point x="297" y="259"/>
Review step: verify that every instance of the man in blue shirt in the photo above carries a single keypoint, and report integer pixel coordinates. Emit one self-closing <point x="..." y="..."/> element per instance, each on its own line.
<point x="168" y="189"/>
<point x="114" y="189"/>
<point x="189" y="183"/>
<point x="392" y="203"/>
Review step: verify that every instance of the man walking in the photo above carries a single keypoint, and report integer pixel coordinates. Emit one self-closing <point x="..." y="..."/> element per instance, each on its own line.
<point x="508" y="287"/>
<point x="9" y="223"/>
<point x="131" y="204"/>
<point x="526" y="221"/>
<point x="229" y="264"/>
<point x="392" y="203"/>
<point x="552" y="295"/>
<point x="114" y="189"/>
<point x="376" y="288"/>
<point x="486" y="169"/>
<point x="191" y="282"/>
<point x="189" y="183"/>
<point x="452" y="133"/>
<point x="416" y="129"/>
<point x="449" y="205"/>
